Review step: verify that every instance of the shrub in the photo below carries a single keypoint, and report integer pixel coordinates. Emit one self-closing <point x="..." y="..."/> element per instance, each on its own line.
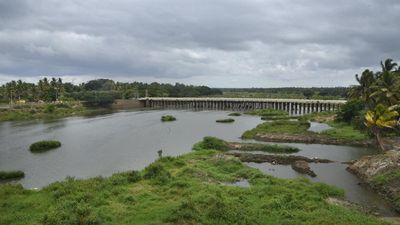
<point x="350" y="110"/>
<point x="235" y="114"/>
<point x="156" y="171"/>
<point x="50" y="108"/>
<point x="211" y="143"/>
<point x="6" y="175"/>
<point x="168" y="118"/>
<point x="229" y="120"/>
<point x="44" y="145"/>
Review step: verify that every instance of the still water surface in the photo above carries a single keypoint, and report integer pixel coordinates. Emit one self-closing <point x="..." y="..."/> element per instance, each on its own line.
<point x="105" y="144"/>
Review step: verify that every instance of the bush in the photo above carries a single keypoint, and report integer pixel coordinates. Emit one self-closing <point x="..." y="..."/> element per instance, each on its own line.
<point x="350" y="110"/>
<point x="45" y="145"/>
<point x="235" y="114"/>
<point x="168" y="118"/>
<point x="211" y="143"/>
<point x="229" y="120"/>
<point x="156" y="171"/>
<point x="49" y="108"/>
<point x="6" y="175"/>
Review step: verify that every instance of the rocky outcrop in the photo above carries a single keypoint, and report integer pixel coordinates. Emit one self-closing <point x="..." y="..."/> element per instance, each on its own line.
<point x="302" y="166"/>
<point x="382" y="173"/>
<point x="309" y="138"/>
<point x="275" y="159"/>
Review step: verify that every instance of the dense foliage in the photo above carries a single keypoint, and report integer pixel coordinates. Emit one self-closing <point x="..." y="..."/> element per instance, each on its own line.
<point x="44" y="145"/>
<point x="288" y="92"/>
<point x="100" y="91"/>
<point x="377" y="97"/>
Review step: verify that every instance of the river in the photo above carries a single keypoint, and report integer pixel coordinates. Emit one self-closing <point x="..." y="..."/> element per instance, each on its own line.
<point x="129" y="140"/>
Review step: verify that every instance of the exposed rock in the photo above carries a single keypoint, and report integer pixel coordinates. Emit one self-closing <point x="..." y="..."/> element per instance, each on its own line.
<point x="275" y="159"/>
<point x="381" y="172"/>
<point x="302" y="166"/>
<point x="309" y="138"/>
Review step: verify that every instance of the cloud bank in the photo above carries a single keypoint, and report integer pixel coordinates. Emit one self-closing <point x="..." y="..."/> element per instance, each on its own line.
<point x="223" y="43"/>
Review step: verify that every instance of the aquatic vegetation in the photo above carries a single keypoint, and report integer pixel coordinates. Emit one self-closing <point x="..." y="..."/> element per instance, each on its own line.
<point x="168" y="118"/>
<point x="7" y="175"/>
<point x="235" y="114"/>
<point x="45" y="145"/>
<point x="211" y="143"/>
<point x="267" y="112"/>
<point x="188" y="189"/>
<point x="228" y="120"/>
<point x="279" y="126"/>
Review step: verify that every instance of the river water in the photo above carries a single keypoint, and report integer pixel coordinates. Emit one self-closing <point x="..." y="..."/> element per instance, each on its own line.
<point x="105" y="144"/>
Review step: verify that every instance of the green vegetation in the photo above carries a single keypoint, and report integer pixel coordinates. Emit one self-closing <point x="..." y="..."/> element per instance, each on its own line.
<point x="45" y="145"/>
<point x="267" y="112"/>
<point x="389" y="182"/>
<point x="185" y="190"/>
<point x="211" y="143"/>
<point x="227" y="120"/>
<point x="343" y="131"/>
<point x="7" y="175"/>
<point x="98" y="92"/>
<point x="379" y="94"/>
<point x="278" y="127"/>
<point x="168" y="118"/>
<point x="287" y="92"/>
<point x="276" y="118"/>
<point x="235" y="114"/>
<point x="45" y="111"/>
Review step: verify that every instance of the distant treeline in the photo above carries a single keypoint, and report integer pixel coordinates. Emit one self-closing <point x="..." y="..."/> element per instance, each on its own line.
<point x="288" y="92"/>
<point x="99" y="91"/>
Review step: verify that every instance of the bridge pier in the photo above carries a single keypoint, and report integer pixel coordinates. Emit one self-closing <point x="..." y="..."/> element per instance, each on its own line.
<point x="292" y="106"/>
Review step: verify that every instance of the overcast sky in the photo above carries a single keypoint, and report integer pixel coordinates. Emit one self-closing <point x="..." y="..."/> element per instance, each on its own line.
<point x="220" y="43"/>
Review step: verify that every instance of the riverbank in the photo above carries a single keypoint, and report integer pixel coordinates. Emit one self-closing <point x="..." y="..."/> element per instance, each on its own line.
<point x="31" y="111"/>
<point x="196" y="188"/>
<point x="382" y="173"/>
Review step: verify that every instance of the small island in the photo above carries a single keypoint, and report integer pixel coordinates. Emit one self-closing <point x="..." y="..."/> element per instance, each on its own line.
<point x="168" y="118"/>
<point x="228" y="120"/>
<point x="45" y="145"/>
<point x="235" y="114"/>
<point x="9" y="175"/>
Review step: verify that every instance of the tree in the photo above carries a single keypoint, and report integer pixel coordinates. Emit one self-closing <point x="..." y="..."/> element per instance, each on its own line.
<point x="378" y="119"/>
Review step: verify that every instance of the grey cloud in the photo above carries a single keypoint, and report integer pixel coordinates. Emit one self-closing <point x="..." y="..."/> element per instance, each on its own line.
<point x="250" y="43"/>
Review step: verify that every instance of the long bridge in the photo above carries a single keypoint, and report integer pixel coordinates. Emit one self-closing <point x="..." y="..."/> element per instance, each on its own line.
<point x="293" y="106"/>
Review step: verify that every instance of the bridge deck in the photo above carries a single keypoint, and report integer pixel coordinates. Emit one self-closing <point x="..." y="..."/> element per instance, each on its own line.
<point x="246" y="100"/>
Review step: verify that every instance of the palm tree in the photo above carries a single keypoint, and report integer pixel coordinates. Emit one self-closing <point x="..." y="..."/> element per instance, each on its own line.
<point x="378" y="119"/>
<point x="365" y="89"/>
<point x="388" y="66"/>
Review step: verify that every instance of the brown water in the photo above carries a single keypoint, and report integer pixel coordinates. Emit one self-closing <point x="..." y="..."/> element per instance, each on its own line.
<point x="105" y="144"/>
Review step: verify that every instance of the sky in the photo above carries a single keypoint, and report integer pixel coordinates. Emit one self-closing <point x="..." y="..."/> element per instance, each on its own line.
<point x="219" y="43"/>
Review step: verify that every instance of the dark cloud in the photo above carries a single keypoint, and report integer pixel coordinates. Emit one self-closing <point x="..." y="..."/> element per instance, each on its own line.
<point x="219" y="43"/>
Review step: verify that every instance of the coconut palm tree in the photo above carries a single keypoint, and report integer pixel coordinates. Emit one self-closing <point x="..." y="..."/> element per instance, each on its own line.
<point x="378" y="119"/>
<point x="388" y="65"/>
<point x="365" y="89"/>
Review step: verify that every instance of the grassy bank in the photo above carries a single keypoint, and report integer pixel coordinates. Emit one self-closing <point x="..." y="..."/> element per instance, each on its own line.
<point x="7" y="175"/>
<point x="189" y="189"/>
<point x="340" y="132"/>
<point x="389" y="183"/>
<point x="45" y="111"/>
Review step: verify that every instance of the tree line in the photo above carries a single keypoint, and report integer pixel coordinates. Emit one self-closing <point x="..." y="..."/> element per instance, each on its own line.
<point x="54" y="89"/>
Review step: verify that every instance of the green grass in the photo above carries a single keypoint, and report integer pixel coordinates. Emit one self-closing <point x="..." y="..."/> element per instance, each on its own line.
<point x="7" y="175"/>
<point x="267" y="112"/>
<point x="389" y="180"/>
<point x="45" y="145"/>
<point x="234" y="114"/>
<point x="276" y="117"/>
<point x="228" y="120"/>
<point x="185" y="190"/>
<point x="168" y="118"/>
<point x="278" y="127"/>
<point x="344" y="131"/>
